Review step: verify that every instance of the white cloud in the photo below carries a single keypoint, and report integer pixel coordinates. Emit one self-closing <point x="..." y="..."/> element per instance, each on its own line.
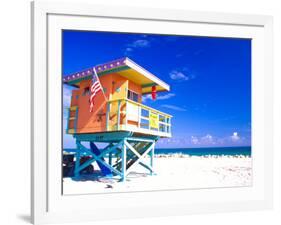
<point x="166" y="96"/>
<point x="194" y="140"/>
<point x="146" y="97"/>
<point x="179" y="142"/>
<point x="203" y="140"/>
<point x="141" y="43"/>
<point x="208" y="139"/>
<point x="160" y="97"/>
<point x="173" y="107"/>
<point x="128" y="49"/>
<point x="178" y="75"/>
<point x="235" y="137"/>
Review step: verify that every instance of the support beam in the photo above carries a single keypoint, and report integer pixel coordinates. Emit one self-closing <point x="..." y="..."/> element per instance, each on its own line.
<point x="141" y="158"/>
<point x="124" y="162"/>
<point x="132" y="149"/>
<point x="96" y="158"/>
<point x="76" y="120"/>
<point x="77" y="161"/>
<point x="140" y="139"/>
<point x="152" y="158"/>
<point x="132" y="152"/>
<point x="110" y="158"/>
<point x="148" y="167"/>
<point x="108" y="149"/>
<point x="107" y="115"/>
<point x="118" y="115"/>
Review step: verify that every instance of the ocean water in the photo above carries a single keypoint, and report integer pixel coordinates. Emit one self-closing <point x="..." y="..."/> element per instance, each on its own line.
<point x="218" y="151"/>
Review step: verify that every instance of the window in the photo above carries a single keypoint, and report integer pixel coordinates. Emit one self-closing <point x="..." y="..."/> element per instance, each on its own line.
<point x="133" y="96"/>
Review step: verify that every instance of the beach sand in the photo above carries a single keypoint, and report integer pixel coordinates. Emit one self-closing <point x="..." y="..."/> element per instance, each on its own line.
<point x="173" y="172"/>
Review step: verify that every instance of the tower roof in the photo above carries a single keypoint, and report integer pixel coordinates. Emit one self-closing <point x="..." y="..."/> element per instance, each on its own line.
<point x="124" y="67"/>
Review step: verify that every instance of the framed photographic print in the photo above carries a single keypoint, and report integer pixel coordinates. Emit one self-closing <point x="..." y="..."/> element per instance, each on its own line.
<point x="164" y="114"/>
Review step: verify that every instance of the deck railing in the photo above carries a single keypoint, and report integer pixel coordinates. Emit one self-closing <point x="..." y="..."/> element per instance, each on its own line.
<point x="128" y="115"/>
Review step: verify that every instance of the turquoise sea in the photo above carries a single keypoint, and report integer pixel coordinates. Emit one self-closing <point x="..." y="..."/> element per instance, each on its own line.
<point x="218" y="151"/>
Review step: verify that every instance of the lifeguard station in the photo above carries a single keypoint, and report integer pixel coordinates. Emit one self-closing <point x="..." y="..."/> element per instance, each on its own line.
<point x="119" y="119"/>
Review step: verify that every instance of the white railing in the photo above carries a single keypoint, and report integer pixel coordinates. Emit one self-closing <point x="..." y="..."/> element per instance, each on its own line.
<point x="128" y="115"/>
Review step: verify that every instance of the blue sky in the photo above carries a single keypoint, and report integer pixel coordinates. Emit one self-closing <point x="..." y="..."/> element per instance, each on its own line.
<point x="210" y="80"/>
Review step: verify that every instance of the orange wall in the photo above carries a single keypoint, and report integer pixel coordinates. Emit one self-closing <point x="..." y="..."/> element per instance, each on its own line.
<point x="112" y="83"/>
<point x="106" y="82"/>
<point x="74" y="99"/>
<point x="91" y="122"/>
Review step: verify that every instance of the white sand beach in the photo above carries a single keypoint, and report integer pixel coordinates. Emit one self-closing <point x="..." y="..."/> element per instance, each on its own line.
<point x="173" y="172"/>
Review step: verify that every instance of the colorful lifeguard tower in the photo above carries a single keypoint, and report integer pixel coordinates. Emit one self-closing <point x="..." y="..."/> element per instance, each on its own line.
<point x="118" y="118"/>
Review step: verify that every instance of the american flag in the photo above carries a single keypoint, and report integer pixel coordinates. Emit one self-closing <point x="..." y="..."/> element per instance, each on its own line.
<point x="95" y="88"/>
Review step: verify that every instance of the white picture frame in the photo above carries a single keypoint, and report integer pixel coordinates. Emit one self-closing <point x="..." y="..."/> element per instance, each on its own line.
<point x="48" y="205"/>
